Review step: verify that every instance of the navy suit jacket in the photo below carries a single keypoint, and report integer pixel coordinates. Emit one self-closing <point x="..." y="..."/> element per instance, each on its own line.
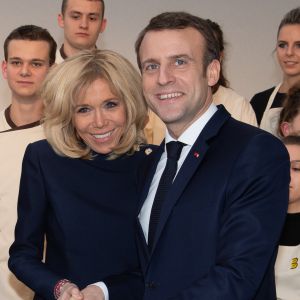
<point x="87" y="210"/>
<point x="222" y="218"/>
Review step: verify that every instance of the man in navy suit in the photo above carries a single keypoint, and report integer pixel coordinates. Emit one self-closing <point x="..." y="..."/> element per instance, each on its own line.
<point x="213" y="232"/>
<point x="220" y="220"/>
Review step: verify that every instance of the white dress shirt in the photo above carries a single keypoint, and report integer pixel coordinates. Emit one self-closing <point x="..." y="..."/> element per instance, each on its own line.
<point x="188" y="137"/>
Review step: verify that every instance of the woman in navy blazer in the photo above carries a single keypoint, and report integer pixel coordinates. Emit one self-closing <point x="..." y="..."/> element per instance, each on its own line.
<point x="78" y="187"/>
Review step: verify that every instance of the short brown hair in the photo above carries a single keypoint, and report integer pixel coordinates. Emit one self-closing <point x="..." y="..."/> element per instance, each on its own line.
<point x="65" y="2"/>
<point x="216" y="28"/>
<point x="182" y="20"/>
<point x="291" y="140"/>
<point x="291" y="107"/>
<point x="32" y="33"/>
<point x="70" y="79"/>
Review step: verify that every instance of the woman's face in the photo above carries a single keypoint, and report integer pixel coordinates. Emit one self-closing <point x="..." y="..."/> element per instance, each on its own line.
<point x="100" y="117"/>
<point x="288" y="49"/>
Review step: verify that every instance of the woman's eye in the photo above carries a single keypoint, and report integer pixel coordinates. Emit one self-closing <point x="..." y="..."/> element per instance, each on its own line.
<point x="281" y="45"/>
<point x="111" y="104"/>
<point x="83" y="109"/>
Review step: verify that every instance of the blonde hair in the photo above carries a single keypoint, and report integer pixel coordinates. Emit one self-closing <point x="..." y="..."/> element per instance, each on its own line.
<point x="70" y="79"/>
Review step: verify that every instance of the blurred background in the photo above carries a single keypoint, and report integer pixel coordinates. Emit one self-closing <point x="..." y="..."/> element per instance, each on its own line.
<point x="249" y="27"/>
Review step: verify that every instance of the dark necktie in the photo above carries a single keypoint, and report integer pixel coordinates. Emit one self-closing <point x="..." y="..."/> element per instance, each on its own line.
<point x="173" y="152"/>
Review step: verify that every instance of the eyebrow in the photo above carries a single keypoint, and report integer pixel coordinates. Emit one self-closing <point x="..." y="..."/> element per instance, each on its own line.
<point x="82" y="13"/>
<point x="150" y="60"/>
<point x="284" y="41"/>
<point x="19" y="58"/>
<point x="171" y="57"/>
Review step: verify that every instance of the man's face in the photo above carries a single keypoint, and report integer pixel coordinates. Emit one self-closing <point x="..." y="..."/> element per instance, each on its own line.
<point x="26" y="67"/>
<point x="82" y="23"/>
<point x="294" y="199"/>
<point x="174" y="83"/>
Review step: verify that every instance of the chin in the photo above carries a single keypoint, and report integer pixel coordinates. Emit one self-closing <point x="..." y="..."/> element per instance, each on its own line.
<point x="102" y="150"/>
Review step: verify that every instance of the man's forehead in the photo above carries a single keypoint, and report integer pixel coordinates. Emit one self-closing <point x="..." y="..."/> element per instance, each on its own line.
<point x="170" y="43"/>
<point x="27" y="44"/>
<point x="24" y="48"/>
<point x="85" y="6"/>
<point x="182" y="37"/>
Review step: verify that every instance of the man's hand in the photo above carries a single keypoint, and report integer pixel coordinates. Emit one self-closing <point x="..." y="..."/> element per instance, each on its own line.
<point x="71" y="292"/>
<point x="92" y="292"/>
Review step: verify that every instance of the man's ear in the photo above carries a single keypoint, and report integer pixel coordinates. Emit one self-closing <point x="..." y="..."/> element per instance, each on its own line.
<point x="60" y="21"/>
<point x="4" y="69"/>
<point x="103" y="25"/>
<point x="213" y="72"/>
<point x="285" y="128"/>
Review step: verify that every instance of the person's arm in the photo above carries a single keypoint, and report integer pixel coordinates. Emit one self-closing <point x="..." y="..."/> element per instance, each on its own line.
<point x="252" y="219"/>
<point x="26" y="253"/>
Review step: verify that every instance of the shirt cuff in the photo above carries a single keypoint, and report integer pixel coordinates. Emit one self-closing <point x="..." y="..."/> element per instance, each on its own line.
<point x="104" y="289"/>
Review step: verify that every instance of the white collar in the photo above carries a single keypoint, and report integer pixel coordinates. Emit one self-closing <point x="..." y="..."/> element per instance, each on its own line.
<point x="190" y="135"/>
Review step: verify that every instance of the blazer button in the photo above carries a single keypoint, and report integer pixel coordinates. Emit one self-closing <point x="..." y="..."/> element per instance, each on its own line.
<point x="150" y="285"/>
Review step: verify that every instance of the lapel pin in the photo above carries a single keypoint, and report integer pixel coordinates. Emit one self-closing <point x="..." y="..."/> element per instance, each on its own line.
<point x="196" y="154"/>
<point x="148" y="151"/>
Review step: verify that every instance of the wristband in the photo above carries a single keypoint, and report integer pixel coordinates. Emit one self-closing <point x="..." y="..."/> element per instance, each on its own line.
<point x="58" y="286"/>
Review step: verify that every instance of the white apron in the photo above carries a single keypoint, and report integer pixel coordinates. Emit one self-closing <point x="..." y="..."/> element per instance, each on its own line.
<point x="269" y="121"/>
<point x="287" y="273"/>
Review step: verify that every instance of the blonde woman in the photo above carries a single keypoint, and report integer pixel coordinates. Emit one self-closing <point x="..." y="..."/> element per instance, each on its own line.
<point x="79" y="186"/>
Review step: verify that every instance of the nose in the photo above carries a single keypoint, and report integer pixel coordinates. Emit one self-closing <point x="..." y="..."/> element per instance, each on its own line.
<point x="84" y="22"/>
<point x="99" y="119"/>
<point x="290" y="50"/>
<point x="165" y="75"/>
<point x="25" y="70"/>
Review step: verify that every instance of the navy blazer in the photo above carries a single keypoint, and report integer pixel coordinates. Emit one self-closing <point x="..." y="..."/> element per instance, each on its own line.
<point x="87" y="211"/>
<point x="222" y="218"/>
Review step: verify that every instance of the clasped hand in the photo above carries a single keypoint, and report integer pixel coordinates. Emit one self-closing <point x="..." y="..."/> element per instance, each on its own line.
<point x="72" y="292"/>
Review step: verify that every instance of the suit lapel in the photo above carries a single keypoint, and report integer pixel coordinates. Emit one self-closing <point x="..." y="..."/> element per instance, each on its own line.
<point x="189" y="167"/>
<point x="150" y="175"/>
<point x="142" y="244"/>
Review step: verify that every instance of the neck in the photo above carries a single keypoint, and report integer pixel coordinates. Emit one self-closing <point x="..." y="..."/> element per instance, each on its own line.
<point x="70" y="51"/>
<point x="26" y="112"/>
<point x="288" y="82"/>
<point x="294" y="207"/>
<point x="176" y="129"/>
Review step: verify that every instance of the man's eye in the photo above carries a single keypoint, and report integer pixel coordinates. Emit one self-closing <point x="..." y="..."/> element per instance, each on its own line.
<point x="75" y="17"/>
<point x="151" y="67"/>
<point x="36" y="64"/>
<point x="93" y="18"/>
<point x="180" y="62"/>
<point x="15" y="63"/>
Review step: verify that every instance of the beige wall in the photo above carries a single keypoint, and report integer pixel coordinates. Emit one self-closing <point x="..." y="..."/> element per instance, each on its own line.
<point x="249" y="26"/>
